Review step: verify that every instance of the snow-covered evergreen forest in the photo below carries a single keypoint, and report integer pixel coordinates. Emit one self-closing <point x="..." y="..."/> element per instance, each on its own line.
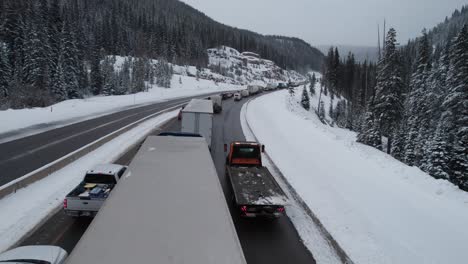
<point x="414" y="103"/>
<point x="51" y="50"/>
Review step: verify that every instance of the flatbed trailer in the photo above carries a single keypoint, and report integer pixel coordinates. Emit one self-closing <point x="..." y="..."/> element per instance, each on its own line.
<point x="255" y="191"/>
<point x="169" y="208"/>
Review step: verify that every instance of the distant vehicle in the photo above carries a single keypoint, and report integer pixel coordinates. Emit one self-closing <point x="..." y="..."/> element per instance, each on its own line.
<point x="87" y="198"/>
<point x="245" y="93"/>
<point x="226" y="96"/>
<point x="255" y="192"/>
<point x="237" y="97"/>
<point x="197" y="118"/>
<point x="179" y="116"/>
<point x="217" y="103"/>
<point x="282" y="85"/>
<point x="292" y="84"/>
<point x="178" y="134"/>
<point x="253" y="89"/>
<point x="34" y="255"/>
<point x="171" y="209"/>
<point x="271" y="86"/>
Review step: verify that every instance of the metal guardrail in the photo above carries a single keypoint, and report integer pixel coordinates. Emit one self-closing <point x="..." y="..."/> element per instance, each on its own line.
<point x="338" y="249"/>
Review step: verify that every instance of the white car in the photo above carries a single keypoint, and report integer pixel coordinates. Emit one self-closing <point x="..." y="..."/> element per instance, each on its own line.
<point x="34" y="254"/>
<point x="237" y="97"/>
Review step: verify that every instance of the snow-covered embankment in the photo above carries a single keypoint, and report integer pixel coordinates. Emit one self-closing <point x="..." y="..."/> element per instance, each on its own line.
<point x="378" y="209"/>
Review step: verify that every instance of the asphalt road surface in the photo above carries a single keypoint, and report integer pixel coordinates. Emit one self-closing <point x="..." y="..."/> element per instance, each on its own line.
<point x="263" y="241"/>
<point x="21" y="156"/>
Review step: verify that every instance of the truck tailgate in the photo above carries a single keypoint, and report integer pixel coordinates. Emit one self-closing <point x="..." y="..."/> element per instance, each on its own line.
<point x="77" y="204"/>
<point x="255" y="186"/>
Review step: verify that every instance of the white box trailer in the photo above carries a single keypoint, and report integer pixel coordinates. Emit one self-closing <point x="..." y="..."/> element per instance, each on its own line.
<point x="254" y="89"/>
<point x="168" y="208"/>
<point x="245" y="93"/>
<point x="217" y="101"/>
<point x="197" y="117"/>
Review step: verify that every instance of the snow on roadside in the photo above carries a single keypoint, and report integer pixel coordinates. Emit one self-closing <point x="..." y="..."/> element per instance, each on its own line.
<point x="23" y="210"/>
<point x="378" y="209"/>
<point x="71" y="111"/>
<point x="309" y="232"/>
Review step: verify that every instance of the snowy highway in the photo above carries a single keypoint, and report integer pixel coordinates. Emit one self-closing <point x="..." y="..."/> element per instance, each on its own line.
<point x="262" y="241"/>
<point x="21" y="156"/>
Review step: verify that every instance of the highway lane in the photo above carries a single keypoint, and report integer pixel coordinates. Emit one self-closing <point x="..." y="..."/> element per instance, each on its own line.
<point x="21" y="156"/>
<point x="263" y="241"/>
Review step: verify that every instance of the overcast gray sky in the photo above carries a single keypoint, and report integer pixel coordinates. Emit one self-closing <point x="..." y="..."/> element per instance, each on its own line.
<point x="324" y="22"/>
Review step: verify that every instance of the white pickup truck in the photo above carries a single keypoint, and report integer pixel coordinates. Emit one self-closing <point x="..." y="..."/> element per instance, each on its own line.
<point x="87" y="198"/>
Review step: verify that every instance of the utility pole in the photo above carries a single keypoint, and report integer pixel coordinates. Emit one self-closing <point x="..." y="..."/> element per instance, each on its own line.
<point x="383" y="35"/>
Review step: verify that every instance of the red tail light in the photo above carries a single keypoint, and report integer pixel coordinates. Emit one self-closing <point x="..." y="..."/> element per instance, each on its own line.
<point x="280" y="209"/>
<point x="243" y="208"/>
<point x="65" y="203"/>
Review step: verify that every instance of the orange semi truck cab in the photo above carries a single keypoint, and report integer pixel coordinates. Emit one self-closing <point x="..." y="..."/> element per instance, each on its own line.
<point x="255" y="192"/>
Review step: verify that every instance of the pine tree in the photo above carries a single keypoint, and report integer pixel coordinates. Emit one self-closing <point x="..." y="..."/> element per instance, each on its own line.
<point x="340" y="113"/>
<point x="32" y="54"/>
<point x="305" y="100"/>
<point x="163" y="73"/>
<point x="417" y="106"/>
<point x="138" y="76"/>
<point x="197" y="77"/>
<point x="108" y="76"/>
<point x="387" y="106"/>
<point x="331" y="113"/>
<point x="5" y="72"/>
<point x="321" y="111"/>
<point x="125" y="78"/>
<point x="58" y="88"/>
<point x="456" y="110"/>
<point x="398" y="146"/>
<point x="96" y="76"/>
<point x="291" y="91"/>
<point x="70" y="61"/>
<point x="313" y="81"/>
<point x="370" y="132"/>
<point x="439" y="153"/>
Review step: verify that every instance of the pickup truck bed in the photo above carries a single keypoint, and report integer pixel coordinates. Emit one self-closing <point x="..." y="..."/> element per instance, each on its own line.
<point x="86" y="202"/>
<point x="255" y="186"/>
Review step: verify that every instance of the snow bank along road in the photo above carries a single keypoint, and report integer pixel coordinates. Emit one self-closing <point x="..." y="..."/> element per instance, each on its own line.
<point x="262" y="241"/>
<point x="378" y="209"/>
<point x="21" y="156"/>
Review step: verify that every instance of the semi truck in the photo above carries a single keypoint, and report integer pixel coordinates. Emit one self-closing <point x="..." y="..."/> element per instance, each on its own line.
<point x="255" y="192"/>
<point x="197" y="118"/>
<point x="169" y="209"/>
<point x="253" y="89"/>
<point x="87" y="198"/>
<point x="217" y="101"/>
<point x="245" y="93"/>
